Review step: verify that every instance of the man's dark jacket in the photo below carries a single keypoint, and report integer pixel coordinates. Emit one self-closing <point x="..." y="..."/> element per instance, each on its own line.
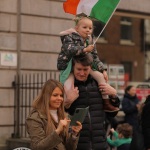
<point x="93" y="135"/>
<point x="145" y="119"/>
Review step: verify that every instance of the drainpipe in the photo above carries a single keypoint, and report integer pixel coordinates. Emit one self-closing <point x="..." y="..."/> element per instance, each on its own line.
<point x="144" y="48"/>
<point x="17" y="99"/>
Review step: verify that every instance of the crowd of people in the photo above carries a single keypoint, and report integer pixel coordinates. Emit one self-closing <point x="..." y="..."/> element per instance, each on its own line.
<point x="83" y="83"/>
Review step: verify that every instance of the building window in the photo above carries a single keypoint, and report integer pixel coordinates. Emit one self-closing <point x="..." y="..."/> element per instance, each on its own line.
<point x="147" y="34"/>
<point x="126" y="30"/>
<point x="127" y="69"/>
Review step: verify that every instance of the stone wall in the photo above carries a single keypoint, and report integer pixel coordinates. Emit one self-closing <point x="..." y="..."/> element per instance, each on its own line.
<point x="29" y="29"/>
<point x="8" y="43"/>
<point x="135" y="5"/>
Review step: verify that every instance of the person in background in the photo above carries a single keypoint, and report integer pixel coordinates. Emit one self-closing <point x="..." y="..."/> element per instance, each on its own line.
<point x="145" y="121"/>
<point x="93" y="133"/>
<point x="131" y="106"/>
<point x="48" y="124"/>
<point x="122" y="137"/>
<point x="76" y="41"/>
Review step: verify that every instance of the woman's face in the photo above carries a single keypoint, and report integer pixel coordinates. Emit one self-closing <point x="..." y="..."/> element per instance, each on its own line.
<point x="56" y="98"/>
<point x="132" y="91"/>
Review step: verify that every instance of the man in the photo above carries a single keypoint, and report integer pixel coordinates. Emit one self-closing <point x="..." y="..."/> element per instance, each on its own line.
<point x="93" y="134"/>
<point x="145" y="122"/>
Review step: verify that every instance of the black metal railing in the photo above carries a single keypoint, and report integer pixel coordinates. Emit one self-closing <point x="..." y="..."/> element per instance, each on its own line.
<point x="27" y="87"/>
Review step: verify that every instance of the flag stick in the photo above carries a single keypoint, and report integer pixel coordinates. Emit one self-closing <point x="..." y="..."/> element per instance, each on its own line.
<point x="105" y="25"/>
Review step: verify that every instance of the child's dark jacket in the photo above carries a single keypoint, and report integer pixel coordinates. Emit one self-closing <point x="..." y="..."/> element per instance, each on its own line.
<point x="73" y="44"/>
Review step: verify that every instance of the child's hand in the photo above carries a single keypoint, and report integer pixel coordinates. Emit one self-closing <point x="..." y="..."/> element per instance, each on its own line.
<point x="89" y="48"/>
<point x="112" y="130"/>
<point x="105" y="76"/>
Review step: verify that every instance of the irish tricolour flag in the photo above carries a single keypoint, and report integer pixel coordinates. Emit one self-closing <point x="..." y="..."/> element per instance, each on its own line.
<point x="101" y="10"/>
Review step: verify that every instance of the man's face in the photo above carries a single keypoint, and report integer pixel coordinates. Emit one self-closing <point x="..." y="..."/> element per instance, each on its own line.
<point x="81" y="72"/>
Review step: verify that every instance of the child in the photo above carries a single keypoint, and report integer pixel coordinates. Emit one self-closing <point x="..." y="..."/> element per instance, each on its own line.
<point x="122" y="136"/>
<point x="76" y="41"/>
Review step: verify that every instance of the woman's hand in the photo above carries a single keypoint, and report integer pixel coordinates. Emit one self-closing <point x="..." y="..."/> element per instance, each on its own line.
<point x="106" y="89"/>
<point x="76" y="129"/>
<point x="62" y="124"/>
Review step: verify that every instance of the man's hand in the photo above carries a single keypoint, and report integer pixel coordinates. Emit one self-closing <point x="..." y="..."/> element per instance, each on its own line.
<point x="106" y="89"/>
<point x="73" y="94"/>
<point x="71" y="97"/>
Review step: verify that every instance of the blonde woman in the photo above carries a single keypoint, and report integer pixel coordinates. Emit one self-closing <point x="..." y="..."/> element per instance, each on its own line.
<point x="48" y="124"/>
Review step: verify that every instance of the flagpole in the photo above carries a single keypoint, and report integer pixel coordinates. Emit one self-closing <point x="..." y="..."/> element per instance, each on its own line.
<point x="105" y="24"/>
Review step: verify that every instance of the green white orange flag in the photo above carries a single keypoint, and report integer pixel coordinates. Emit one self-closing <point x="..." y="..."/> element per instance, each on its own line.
<point x="101" y="10"/>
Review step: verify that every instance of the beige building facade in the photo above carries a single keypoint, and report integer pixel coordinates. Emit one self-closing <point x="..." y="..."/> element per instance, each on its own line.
<point x="30" y="43"/>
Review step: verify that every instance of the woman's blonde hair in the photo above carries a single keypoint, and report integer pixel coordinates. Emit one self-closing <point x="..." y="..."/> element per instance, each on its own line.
<point x="41" y="103"/>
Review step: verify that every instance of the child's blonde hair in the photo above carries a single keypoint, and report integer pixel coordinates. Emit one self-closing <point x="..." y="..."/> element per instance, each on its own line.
<point x="80" y="17"/>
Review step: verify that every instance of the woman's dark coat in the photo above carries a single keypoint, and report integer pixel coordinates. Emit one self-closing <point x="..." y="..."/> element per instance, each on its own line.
<point x="131" y="112"/>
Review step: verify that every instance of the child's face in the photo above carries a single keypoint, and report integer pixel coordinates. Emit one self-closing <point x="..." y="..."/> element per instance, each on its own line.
<point x="120" y="135"/>
<point x="84" y="27"/>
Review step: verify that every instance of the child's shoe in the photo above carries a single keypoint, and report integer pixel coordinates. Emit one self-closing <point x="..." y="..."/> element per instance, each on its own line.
<point x="108" y="107"/>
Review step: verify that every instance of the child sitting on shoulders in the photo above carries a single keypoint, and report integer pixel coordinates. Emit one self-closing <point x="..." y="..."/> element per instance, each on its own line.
<point x="76" y="41"/>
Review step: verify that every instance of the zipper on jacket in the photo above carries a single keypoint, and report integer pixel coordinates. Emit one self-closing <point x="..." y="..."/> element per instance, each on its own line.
<point x="91" y="145"/>
<point x="89" y="116"/>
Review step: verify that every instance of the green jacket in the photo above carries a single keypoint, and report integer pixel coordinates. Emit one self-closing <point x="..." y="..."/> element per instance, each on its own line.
<point x="118" y="141"/>
<point x="36" y="127"/>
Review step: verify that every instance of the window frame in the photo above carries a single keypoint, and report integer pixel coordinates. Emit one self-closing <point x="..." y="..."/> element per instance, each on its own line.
<point x="126" y="21"/>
